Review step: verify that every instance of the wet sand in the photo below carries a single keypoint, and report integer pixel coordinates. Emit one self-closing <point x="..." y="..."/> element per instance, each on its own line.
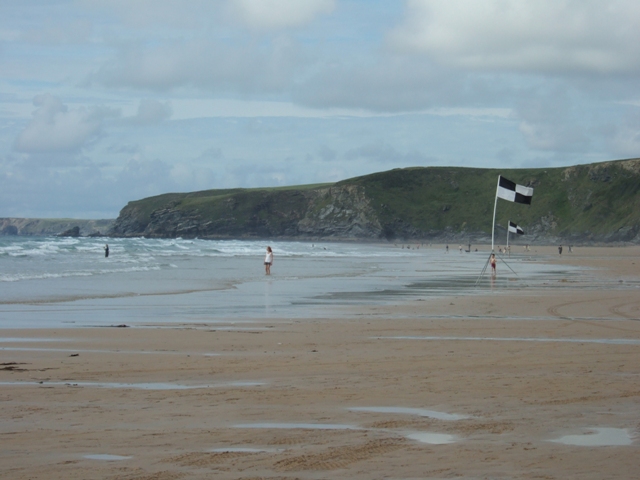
<point x="524" y="383"/>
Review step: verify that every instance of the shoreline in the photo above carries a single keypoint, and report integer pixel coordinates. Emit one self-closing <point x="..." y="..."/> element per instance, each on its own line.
<point x="540" y="382"/>
<point x="482" y="240"/>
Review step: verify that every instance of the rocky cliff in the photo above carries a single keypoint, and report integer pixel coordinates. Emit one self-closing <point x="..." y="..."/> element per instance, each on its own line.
<point x="579" y="204"/>
<point x="330" y="211"/>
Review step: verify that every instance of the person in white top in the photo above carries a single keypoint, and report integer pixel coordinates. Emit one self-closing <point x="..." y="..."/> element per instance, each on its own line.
<point x="268" y="261"/>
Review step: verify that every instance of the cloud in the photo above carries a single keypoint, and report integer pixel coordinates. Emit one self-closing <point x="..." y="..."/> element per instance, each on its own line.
<point x="388" y="84"/>
<point x="258" y="15"/>
<point x="561" y="36"/>
<point x="548" y="120"/>
<point x="279" y="14"/>
<point x="152" y="111"/>
<point x="145" y="14"/>
<point x="202" y="63"/>
<point x="57" y="128"/>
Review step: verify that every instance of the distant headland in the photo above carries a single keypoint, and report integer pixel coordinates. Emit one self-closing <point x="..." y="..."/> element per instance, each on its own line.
<point x="581" y="204"/>
<point x="69" y="227"/>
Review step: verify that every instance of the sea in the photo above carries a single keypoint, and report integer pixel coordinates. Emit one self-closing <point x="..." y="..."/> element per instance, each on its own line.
<point x="56" y="282"/>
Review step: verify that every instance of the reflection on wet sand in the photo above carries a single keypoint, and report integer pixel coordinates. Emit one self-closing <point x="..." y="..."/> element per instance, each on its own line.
<point x="138" y="386"/>
<point x="609" y="341"/>
<point x="308" y="426"/>
<point x="411" y="411"/>
<point x="106" y="457"/>
<point x="432" y="438"/>
<point x="598" y="437"/>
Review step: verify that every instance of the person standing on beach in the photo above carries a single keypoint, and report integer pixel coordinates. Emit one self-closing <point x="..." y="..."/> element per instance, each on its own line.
<point x="493" y="262"/>
<point x="106" y="251"/>
<point x="268" y="261"/>
<point x="446" y="250"/>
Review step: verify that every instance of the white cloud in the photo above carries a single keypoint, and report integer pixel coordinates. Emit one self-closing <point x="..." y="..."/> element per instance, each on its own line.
<point x="202" y="63"/>
<point x="541" y="35"/>
<point x="56" y="128"/>
<point x="278" y="14"/>
<point x="149" y="13"/>
<point x="261" y="15"/>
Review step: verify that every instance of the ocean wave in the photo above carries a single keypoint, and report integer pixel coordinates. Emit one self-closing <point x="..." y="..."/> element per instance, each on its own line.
<point x="16" y="277"/>
<point x="140" y="250"/>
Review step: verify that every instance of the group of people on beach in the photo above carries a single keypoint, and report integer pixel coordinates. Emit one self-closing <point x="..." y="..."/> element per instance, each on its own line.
<point x="268" y="259"/>
<point x="460" y="248"/>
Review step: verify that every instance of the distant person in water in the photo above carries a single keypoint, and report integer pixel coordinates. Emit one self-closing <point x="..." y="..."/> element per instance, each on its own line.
<point x="106" y="251"/>
<point x="268" y="261"/>
<point x="493" y="261"/>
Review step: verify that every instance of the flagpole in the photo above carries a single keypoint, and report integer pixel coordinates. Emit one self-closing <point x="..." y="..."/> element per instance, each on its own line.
<point x="495" y="205"/>
<point x="508" y="231"/>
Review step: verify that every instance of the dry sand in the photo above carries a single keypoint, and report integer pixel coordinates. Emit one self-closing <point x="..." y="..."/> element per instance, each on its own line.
<point x="83" y="395"/>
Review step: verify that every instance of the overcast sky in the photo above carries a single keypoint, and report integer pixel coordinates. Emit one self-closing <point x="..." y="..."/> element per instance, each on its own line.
<point x="103" y="102"/>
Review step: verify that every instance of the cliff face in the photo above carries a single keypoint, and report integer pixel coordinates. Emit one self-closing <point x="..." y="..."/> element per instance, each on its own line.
<point x="339" y="211"/>
<point x="579" y="204"/>
<point x="334" y="211"/>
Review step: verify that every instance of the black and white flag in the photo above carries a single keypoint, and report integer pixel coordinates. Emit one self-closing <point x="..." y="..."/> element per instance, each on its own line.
<point x="513" y="228"/>
<point x="513" y="192"/>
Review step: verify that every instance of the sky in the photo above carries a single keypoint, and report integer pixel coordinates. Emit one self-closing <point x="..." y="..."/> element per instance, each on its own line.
<point x="107" y="101"/>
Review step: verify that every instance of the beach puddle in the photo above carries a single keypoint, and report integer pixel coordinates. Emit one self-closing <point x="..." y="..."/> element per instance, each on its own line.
<point x="411" y="411"/>
<point x="291" y="426"/>
<point x="75" y="350"/>
<point x="241" y="329"/>
<point x="598" y="437"/>
<point x="245" y="450"/>
<point x="609" y="341"/>
<point x="26" y="339"/>
<point x="432" y="438"/>
<point x="139" y="386"/>
<point x="109" y="458"/>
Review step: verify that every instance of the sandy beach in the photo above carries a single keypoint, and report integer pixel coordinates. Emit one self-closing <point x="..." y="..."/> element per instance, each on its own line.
<point x="525" y="383"/>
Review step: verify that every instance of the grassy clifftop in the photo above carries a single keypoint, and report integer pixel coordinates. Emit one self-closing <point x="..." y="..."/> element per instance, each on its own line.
<point x="596" y="199"/>
<point x="599" y="202"/>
